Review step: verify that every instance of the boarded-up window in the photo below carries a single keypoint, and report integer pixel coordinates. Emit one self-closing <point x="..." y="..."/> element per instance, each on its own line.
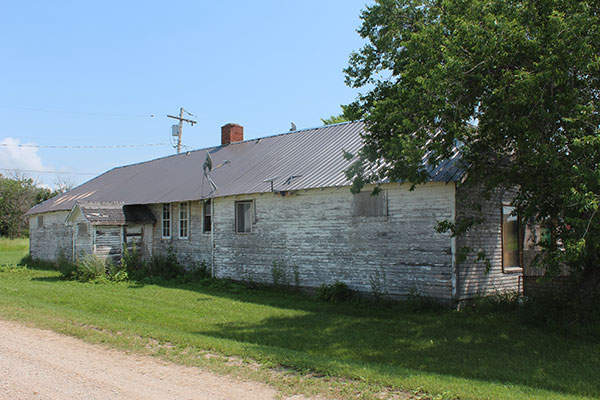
<point x="183" y="220"/>
<point x="243" y="216"/>
<point x="511" y="239"/>
<point x="365" y="204"/>
<point x="166" y="221"/>
<point x="40" y="221"/>
<point x="82" y="230"/>
<point x="207" y="220"/>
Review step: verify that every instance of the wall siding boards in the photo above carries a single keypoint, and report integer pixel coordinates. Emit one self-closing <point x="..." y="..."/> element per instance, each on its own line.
<point x="194" y="249"/>
<point x="109" y="242"/>
<point x="51" y="240"/>
<point x="314" y="235"/>
<point x="473" y="278"/>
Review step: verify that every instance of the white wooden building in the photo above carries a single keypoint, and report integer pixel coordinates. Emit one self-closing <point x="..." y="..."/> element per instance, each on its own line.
<point x="247" y="208"/>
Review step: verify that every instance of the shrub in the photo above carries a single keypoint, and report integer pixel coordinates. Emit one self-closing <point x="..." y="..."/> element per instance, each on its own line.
<point x="132" y="263"/>
<point x="65" y="266"/>
<point x="116" y="272"/>
<point x="497" y="302"/>
<point x="562" y="310"/>
<point x="419" y="303"/>
<point x="378" y="283"/>
<point x="90" y="267"/>
<point x="165" y="266"/>
<point x="335" y="293"/>
<point x="278" y="274"/>
<point x="199" y="271"/>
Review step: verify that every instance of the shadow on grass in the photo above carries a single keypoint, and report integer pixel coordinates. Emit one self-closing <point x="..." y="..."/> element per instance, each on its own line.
<point x="451" y="344"/>
<point x="394" y="340"/>
<point x="39" y="265"/>
<point x="48" y="279"/>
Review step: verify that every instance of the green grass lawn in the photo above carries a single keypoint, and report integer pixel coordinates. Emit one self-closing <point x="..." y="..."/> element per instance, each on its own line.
<point x="11" y="251"/>
<point x="462" y="355"/>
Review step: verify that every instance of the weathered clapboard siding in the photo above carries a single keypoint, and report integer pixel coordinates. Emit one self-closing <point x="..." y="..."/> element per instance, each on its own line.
<point x="472" y="278"/>
<point x="193" y="250"/>
<point x="108" y="242"/>
<point x="83" y="235"/>
<point x="52" y="239"/>
<point x="314" y="230"/>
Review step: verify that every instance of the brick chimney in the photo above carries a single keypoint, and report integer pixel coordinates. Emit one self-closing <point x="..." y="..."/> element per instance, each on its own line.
<point x="232" y="133"/>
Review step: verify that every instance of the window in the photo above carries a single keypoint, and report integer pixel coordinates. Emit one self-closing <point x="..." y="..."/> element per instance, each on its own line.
<point x="511" y="240"/>
<point x="82" y="230"/>
<point x="183" y="220"/>
<point x="243" y="216"/>
<point x="207" y="220"/>
<point x="40" y="221"/>
<point x="166" y="221"/>
<point x="365" y="204"/>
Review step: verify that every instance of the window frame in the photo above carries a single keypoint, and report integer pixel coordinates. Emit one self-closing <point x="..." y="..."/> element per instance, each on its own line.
<point x="166" y="220"/>
<point x="207" y="224"/>
<point x="237" y="216"/>
<point x="511" y="268"/>
<point x="185" y="205"/>
<point x="40" y="221"/>
<point x="368" y="207"/>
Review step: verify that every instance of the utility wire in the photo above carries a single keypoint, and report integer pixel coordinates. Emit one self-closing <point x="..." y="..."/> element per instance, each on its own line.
<point x="78" y="112"/>
<point x="47" y="172"/>
<point x="117" y="146"/>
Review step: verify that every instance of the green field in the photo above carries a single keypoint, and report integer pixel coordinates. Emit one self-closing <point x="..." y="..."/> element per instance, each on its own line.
<point x="11" y="251"/>
<point x="351" y="348"/>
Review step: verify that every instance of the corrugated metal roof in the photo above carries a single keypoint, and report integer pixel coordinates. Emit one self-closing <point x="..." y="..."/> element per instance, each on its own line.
<point x="313" y="156"/>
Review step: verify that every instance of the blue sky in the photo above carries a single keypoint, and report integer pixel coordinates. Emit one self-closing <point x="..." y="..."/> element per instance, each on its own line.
<point x="86" y="73"/>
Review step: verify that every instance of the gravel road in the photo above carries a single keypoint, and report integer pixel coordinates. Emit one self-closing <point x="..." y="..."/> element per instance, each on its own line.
<point x="41" y="364"/>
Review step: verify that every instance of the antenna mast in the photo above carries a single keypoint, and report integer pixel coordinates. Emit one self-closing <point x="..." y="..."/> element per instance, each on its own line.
<point x="180" y="129"/>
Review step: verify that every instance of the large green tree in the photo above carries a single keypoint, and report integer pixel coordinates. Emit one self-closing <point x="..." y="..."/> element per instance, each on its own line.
<point x="514" y="84"/>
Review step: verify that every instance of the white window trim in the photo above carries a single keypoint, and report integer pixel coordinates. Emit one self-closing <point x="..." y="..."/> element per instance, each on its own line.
<point x="162" y="221"/>
<point x="187" y="206"/>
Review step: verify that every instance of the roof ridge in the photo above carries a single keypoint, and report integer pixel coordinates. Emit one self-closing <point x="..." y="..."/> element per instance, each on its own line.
<point x="234" y="143"/>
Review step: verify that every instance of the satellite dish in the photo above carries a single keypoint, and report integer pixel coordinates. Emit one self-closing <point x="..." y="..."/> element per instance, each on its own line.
<point x="293" y="128"/>
<point x="207" y="163"/>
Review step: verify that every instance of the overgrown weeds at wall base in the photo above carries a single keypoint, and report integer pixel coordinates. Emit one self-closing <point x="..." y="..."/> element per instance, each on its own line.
<point x="89" y="268"/>
<point x="278" y="274"/>
<point x="165" y="266"/>
<point x="133" y="264"/>
<point x="563" y="310"/>
<point x="198" y="271"/>
<point x="337" y="292"/>
<point x="65" y="266"/>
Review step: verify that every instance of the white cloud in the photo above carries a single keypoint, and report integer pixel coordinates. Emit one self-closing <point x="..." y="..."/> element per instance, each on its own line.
<point x="14" y="157"/>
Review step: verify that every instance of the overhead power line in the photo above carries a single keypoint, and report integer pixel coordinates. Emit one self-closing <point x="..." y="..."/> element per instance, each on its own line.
<point x="116" y="146"/>
<point x="48" y="172"/>
<point x="78" y="112"/>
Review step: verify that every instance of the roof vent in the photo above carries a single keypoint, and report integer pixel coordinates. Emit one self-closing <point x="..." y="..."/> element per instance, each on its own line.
<point x="232" y="133"/>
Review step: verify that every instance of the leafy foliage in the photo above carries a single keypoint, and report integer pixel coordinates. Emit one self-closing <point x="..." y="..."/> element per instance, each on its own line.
<point x="89" y="268"/>
<point x="17" y="195"/>
<point x="514" y="85"/>
<point x="337" y="292"/>
<point x="336" y="119"/>
<point x="164" y="266"/>
<point x="133" y="263"/>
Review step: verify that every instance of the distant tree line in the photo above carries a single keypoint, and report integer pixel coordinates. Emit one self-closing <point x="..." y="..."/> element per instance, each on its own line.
<point x="17" y="195"/>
